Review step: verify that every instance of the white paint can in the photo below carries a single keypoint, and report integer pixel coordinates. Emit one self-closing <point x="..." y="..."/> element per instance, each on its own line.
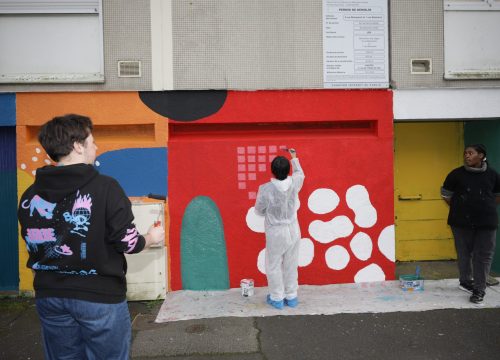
<point x="246" y="287"/>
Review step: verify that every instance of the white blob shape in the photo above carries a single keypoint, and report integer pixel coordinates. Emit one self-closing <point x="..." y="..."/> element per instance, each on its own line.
<point x="386" y="243"/>
<point x="38" y="151"/>
<point x="34" y="159"/>
<point x="47" y="161"/>
<point x="371" y="273"/>
<point x="261" y="261"/>
<point x="322" y="201"/>
<point x="361" y="246"/>
<point x="34" y="172"/>
<point x="327" y="231"/>
<point x="306" y="252"/>
<point x="97" y="163"/>
<point x="255" y="222"/>
<point x="358" y="200"/>
<point x="23" y="166"/>
<point x="337" y="257"/>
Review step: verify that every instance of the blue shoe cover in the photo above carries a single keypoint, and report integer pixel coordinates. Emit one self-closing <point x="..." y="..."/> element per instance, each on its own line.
<point x="292" y="302"/>
<point x="276" y="304"/>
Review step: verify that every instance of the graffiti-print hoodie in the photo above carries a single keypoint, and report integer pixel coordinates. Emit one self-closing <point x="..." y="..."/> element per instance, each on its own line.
<point x="77" y="224"/>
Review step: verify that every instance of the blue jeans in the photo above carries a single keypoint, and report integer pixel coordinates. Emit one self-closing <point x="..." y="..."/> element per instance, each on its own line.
<point x="77" y="329"/>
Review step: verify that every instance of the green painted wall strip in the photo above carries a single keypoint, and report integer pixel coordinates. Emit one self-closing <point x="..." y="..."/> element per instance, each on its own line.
<point x="203" y="247"/>
<point x="487" y="132"/>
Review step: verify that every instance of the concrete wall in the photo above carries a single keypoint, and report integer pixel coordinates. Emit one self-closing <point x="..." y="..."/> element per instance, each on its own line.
<point x="240" y="44"/>
<point x="417" y="32"/>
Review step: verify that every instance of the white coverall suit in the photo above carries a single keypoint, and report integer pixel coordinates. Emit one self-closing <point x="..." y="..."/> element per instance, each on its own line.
<point x="278" y="201"/>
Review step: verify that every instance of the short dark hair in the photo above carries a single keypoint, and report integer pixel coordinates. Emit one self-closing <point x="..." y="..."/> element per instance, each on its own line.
<point x="280" y="167"/>
<point x="58" y="135"/>
<point x="480" y="148"/>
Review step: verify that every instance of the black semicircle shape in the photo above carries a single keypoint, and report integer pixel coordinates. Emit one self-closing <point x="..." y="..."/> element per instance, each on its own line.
<point x="184" y="105"/>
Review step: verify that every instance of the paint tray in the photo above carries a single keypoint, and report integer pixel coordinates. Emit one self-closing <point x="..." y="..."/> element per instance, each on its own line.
<point x="412" y="282"/>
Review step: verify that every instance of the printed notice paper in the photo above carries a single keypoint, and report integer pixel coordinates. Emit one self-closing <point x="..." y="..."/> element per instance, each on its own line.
<point x="355" y="44"/>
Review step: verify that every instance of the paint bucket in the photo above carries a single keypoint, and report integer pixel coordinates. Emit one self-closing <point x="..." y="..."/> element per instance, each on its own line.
<point x="246" y="287"/>
<point x="411" y="282"/>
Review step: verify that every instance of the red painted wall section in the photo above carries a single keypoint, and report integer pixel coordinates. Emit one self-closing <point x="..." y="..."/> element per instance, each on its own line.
<point x="344" y="140"/>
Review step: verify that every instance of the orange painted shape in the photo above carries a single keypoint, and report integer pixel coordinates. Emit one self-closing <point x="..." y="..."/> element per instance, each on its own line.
<point x="121" y="120"/>
<point x="102" y="107"/>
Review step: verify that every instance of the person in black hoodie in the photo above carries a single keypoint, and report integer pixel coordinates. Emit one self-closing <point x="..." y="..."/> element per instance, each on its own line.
<point x="473" y="192"/>
<point x="77" y="225"/>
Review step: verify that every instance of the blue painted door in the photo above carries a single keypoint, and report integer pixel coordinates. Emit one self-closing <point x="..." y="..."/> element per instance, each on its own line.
<point x="9" y="270"/>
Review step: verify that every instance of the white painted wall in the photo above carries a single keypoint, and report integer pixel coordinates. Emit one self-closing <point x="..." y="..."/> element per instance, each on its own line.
<point x="51" y="42"/>
<point x="446" y="104"/>
<point x="471" y="45"/>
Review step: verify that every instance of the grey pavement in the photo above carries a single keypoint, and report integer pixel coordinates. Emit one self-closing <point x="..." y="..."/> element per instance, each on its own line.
<point x="437" y="334"/>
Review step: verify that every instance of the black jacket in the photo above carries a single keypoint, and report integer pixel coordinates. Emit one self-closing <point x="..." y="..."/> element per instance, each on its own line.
<point x="77" y="224"/>
<point x="472" y="203"/>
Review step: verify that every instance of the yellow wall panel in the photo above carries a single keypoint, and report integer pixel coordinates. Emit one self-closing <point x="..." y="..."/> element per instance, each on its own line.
<point x="421" y="210"/>
<point x="424" y="154"/>
<point x="416" y="250"/>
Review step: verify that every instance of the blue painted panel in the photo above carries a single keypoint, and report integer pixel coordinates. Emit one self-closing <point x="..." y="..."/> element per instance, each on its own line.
<point x="139" y="171"/>
<point x="9" y="271"/>
<point x="7" y="109"/>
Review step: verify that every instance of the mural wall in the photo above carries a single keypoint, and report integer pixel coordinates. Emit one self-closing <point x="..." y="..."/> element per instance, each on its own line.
<point x="221" y="156"/>
<point x="220" y="145"/>
<point x="131" y="142"/>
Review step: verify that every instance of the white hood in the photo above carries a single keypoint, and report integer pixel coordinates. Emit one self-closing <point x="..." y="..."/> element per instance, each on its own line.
<point x="282" y="185"/>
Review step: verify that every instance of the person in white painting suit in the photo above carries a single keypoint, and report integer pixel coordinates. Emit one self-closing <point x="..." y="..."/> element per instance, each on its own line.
<point x="278" y="202"/>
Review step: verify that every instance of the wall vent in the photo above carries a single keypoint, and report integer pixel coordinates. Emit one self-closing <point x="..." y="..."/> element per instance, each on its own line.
<point x="129" y="68"/>
<point x="421" y="66"/>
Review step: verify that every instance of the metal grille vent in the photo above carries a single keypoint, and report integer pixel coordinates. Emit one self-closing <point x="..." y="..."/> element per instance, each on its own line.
<point x="129" y="69"/>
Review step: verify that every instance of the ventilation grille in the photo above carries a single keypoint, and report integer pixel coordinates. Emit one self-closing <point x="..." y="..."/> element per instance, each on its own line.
<point x="129" y="69"/>
<point x="420" y="66"/>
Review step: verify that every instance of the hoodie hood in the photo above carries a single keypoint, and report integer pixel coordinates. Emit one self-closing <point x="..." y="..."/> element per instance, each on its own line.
<point x="53" y="183"/>
<point x="282" y="185"/>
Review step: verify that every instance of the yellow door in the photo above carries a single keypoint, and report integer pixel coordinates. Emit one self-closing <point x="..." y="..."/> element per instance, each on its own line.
<point x="424" y="154"/>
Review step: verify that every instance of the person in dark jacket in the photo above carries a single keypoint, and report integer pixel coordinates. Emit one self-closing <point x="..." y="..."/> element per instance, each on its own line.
<point x="473" y="192"/>
<point x="77" y="225"/>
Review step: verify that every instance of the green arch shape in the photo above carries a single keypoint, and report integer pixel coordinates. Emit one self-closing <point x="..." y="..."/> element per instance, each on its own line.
<point x="203" y="247"/>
